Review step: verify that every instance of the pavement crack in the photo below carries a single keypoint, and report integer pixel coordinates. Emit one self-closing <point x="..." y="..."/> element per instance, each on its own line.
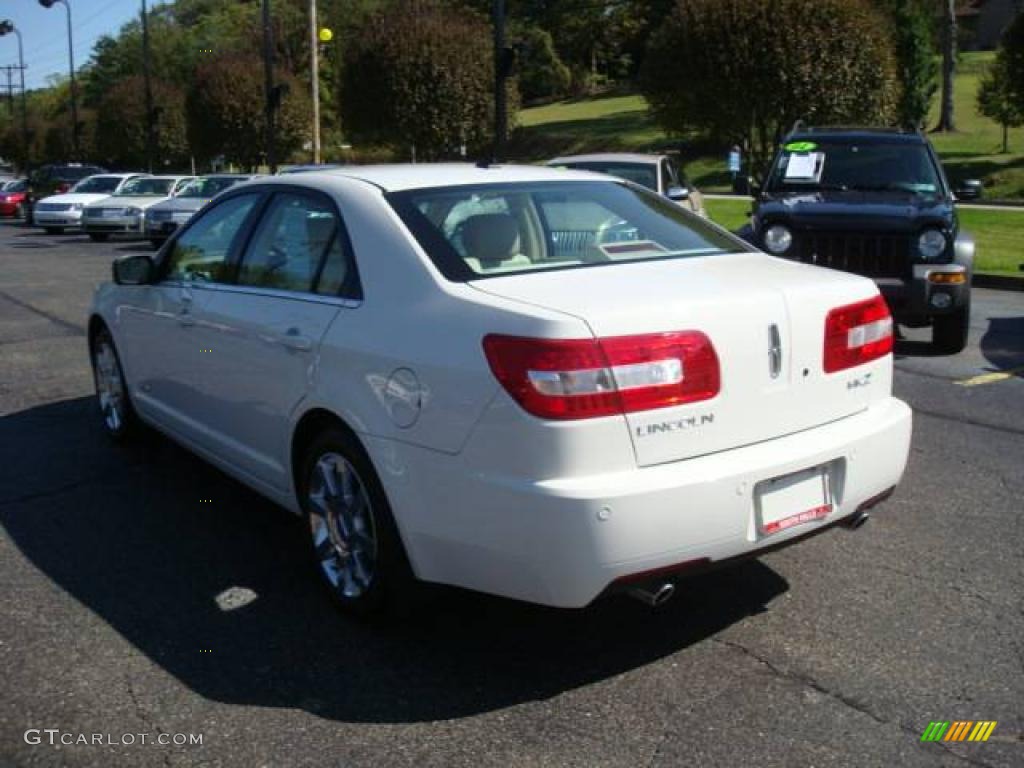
<point x="73" y="327"/>
<point x="847" y="701"/>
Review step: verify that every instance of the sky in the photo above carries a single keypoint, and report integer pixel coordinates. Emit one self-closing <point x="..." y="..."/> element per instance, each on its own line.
<point x="45" y="34"/>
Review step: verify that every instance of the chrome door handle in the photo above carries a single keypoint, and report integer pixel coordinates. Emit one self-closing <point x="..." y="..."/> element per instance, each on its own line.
<point x="295" y="340"/>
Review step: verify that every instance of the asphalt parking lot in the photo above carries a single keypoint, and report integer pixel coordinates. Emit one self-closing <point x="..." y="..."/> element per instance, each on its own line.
<point x="146" y="593"/>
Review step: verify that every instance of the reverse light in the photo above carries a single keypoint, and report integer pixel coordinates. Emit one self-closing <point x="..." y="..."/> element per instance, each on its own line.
<point x="586" y="378"/>
<point x="857" y="333"/>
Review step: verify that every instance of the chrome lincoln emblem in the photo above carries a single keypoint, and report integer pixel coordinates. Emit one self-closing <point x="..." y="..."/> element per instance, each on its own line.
<point x="774" y="351"/>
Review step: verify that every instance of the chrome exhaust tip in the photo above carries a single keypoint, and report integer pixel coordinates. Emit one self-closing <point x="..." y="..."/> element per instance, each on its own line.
<point x="654" y="597"/>
<point x="858" y="520"/>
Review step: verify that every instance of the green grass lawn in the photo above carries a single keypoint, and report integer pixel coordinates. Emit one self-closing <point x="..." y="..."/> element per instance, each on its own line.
<point x="997" y="233"/>
<point x="621" y="122"/>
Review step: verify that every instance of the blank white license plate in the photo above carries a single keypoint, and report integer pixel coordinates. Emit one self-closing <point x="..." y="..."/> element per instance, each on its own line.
<point x="795" y="499"/>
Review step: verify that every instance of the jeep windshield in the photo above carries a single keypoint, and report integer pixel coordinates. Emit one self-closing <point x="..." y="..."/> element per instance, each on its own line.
<point x="812" y="166"/>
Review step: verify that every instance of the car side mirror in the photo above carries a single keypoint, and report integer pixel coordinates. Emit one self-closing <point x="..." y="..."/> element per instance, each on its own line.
<point x="969" y="189"/>
<point x="137" y="269"/>
<point x="677" y="194"/>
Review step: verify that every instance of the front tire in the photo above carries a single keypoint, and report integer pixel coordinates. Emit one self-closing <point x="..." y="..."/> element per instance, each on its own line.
<point x="99" y="237"/>
<point x="354" y="540"/>
<point x="115" y="406"/>
<point x="54" y="230"/>
<point x="949" y="332"/>
<point x="156" y="242"/>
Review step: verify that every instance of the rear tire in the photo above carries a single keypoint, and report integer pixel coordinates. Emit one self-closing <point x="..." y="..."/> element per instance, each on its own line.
<point x="949" y="332"/>
<point x="115" y="405"/>
<point x="354" y="541"/>
<point x="54" y="230"/>
<point x="99" y="237"/>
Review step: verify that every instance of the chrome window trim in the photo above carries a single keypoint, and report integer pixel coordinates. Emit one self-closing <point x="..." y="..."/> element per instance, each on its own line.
<point x="276" y="293"/>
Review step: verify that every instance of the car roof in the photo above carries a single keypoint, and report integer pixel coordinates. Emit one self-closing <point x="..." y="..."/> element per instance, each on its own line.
<point x="609" y="157"/>
<point x="399" y="177"/>
<point x="859" y="135"/>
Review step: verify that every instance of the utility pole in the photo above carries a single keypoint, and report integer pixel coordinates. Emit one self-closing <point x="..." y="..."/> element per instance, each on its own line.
<point x="6" y="27"/>
<point x="500" y="66"/>
<point x="946" y="121"/>
<point x="76" y="143"/>
<point x="150" y="149"/>
<point x="10" y="87"/>
<point x="314" y="70"/>
<point x="268" y="87"/>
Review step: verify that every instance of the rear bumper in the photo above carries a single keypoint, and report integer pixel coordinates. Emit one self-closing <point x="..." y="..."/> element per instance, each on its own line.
<point x="564" y="541"/>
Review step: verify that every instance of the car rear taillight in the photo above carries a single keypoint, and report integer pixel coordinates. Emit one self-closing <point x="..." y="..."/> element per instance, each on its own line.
<point x="857" y="333"/>
<point x="62" y="188"/>
<point x="586" y="378"/>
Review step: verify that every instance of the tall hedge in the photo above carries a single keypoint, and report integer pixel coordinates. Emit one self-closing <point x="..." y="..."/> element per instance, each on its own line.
<point x="420" y="74"/>
<point x="745" y="70"/>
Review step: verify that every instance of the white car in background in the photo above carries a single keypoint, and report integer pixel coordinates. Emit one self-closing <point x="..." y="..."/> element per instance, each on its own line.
<point x="123" y="213"/>
<point x="656" y="172"/>
<point x="59" y="212"/>
<point x="537" y="383"/>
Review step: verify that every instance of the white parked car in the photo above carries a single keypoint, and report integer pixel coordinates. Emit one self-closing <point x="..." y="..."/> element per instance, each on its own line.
<point x="124" y="213"/>
<point x="657" y="172"/>
<point x="537" y="383"/>
<point x="59" y="212"/>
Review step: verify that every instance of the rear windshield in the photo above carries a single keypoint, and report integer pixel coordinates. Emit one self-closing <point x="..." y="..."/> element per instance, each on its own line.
<point x="499" y="229"/>
<point x="210" y="186"/>
<point x="644" y="174"/>
<point x="142" y="187"/>
<point x="98" y="184"/>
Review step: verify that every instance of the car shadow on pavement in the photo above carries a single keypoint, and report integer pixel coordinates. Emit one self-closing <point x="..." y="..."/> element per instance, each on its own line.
<point x="212" y="583"/>
<point x="1003" y="344"/>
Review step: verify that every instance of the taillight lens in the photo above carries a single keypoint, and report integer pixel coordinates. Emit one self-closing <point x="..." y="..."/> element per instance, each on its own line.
<point x="62" y="188"/>
<point x="857" y="333"/>
<point x="586" y="378"/>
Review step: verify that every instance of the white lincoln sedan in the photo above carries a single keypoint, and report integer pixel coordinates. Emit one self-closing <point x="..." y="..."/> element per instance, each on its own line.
<point x="544" y="384"/>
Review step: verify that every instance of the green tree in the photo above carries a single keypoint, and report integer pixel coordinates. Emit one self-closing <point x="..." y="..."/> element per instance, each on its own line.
<point x="996" y="99"/>
<point x="912" y="23"/>
<point x="121" y="126"/>
<point x="1012" y="53"/>
<point x="744" y="70"/>
<point x="540" y="73"/>
<point x="420" y="74"/>
<point x="226" y="111"/>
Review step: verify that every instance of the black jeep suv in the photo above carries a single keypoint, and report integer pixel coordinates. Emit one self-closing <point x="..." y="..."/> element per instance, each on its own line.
<point x="877" y="203"/>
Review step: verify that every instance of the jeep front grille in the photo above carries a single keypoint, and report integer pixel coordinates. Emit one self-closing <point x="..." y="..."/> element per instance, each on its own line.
<point x="864" y="254"/>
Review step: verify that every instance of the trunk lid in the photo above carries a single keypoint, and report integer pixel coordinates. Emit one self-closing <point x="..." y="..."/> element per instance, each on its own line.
<point x="746" y="304"/>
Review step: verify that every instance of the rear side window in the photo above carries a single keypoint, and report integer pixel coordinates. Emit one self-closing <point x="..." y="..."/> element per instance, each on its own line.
<point x="499" y="229"/>
<point x="298" y="246"/>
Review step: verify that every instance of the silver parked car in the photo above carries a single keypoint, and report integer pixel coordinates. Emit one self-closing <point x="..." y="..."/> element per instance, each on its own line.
<point x="123" y="212"/>
<point x="657" y="172"/>
<point x="166" y="216"/>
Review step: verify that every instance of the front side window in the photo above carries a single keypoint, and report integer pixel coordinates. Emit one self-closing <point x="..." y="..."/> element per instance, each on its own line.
<point x="147" y="187"/>
<point x="97" y="185"/>
<point x="868" y="167"/>
<point x="478" y="231"/>
<point x="203" y="250"/>
<point x="289" y="245"/>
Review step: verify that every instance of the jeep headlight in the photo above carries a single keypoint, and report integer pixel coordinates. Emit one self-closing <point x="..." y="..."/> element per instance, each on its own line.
<point x="931" y="244"/>
<point x="777" y="239"/>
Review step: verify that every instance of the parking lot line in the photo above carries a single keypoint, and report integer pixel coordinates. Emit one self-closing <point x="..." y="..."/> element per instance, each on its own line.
<point x="991" y="378"/>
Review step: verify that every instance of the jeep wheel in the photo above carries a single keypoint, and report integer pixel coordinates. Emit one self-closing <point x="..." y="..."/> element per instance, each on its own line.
<point x="949" y="332"/>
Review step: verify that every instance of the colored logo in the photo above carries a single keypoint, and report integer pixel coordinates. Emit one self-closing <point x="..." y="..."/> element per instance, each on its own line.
<point x="800" y="146"/>
<point x="959" y="730"/>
